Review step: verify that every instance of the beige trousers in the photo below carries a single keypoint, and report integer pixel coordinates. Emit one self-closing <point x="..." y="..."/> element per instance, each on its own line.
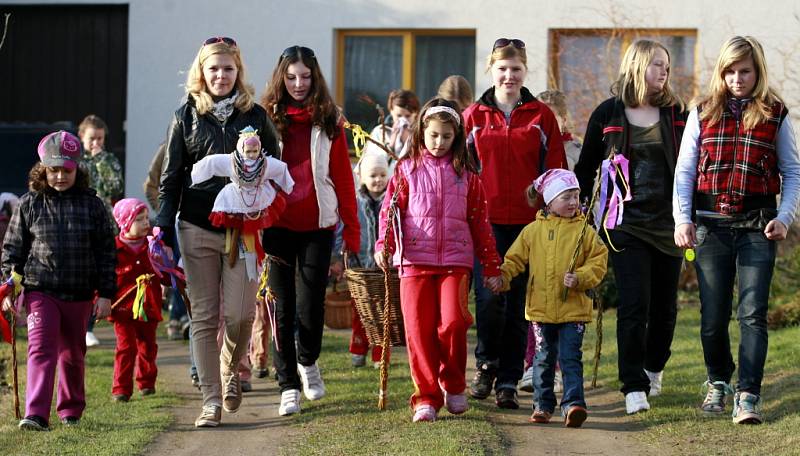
<point x="210" y="281"/>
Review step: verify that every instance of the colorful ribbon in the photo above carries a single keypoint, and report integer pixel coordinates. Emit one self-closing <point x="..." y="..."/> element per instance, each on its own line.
<point x="610" y="206"/>
<point x="141" y="295"/>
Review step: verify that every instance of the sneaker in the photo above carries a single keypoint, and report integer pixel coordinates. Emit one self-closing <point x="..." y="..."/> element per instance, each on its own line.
<point x="655" y="382"/>
<point x="424" y="412"/>
<point x="232" y="395"/>
<point x="209" y="417"/>
<point x="746" y="409"/>
<point x="120" y="397"/>
<point x="635" y="402"/>
<point x="358" y="360"/>
<point x="456" y="403"/>
<point x="313" y="386"/>
<point x="506" y="398"/>
<point x="33" y="423"/>
<point x="91" y="339"/>
<point x="148" y="391"/>
<point x="576" y="415"/>
<point x="558" y="382"/>
<point x="540" y="416"/>
<point x="174" y="330"/>
<point x="246" y="386"/>
<point x="70" y="421"/>
<point x="526" y="384"/>
<point x="482" y="383"/>
<point x="195" y="380"/>
<point x="261" y="372"/>
<point x="290" y="402"/>
<point x="714" y="402"/>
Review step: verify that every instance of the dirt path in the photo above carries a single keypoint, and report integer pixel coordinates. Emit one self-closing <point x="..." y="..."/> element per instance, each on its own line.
<point x="256" y="428"/>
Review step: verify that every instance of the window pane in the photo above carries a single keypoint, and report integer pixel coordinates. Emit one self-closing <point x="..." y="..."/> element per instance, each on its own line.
<point x="438" y="57"/>
<point x="372" y="66"/>
<point x="587" y="65"/>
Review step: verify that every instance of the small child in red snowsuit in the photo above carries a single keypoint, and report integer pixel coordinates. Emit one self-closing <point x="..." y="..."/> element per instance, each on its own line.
<point x="137" y="306"/>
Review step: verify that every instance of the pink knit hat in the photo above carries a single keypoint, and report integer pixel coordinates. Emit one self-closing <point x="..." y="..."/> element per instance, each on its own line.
<point x="555" y="181"/>
<point x="125" y="211"/>
<point x="60" y="148"/>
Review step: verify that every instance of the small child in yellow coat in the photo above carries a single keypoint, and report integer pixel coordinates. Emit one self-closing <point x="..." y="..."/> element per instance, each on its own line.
<point x="546" y="246"/>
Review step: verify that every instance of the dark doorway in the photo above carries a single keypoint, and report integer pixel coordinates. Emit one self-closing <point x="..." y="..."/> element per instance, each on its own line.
<point x="59" y="63"/>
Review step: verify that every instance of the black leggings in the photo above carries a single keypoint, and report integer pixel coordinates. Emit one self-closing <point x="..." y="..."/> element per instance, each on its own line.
<point x="299" y="287"/>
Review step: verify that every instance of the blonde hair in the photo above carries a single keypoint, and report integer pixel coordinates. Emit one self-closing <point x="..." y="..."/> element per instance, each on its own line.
<point x="557" y="101"/>
<point x="196" y="84"/>
<point x="505" y="53"/>
<point x="456" y="88"/>
<point x="735" y="50"/>
<point x="631" y="86"/>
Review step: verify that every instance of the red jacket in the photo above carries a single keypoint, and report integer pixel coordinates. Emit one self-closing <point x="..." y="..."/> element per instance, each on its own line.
<point x="131" y="263"/>
<point x="512" y="156"/>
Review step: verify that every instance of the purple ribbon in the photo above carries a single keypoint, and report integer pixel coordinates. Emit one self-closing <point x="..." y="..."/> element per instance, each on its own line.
<point x="610" y="207"/>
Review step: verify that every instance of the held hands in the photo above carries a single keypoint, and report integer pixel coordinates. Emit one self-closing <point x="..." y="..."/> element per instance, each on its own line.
<point x="495" y="284"/>
<point x="8" y="304"/>
<point x="776" y="230"/>
<point x="337" y="270"/>
<point x="102" y="308"/>
<point x="686" y="235"/>
<point x="570" y="280"/>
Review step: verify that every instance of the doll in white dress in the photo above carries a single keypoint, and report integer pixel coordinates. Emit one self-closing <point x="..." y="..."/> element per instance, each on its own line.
<point x="252" y="201"/>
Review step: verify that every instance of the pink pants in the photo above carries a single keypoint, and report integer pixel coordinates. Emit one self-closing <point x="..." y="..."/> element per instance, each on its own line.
<point x="436" y="319"/>
<point x="56" y="338"/>
<point x="359" y="344"/>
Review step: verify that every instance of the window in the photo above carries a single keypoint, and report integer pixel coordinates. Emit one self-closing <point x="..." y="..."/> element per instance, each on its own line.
<point x="585" y="62"/>
<point x="372" y="63"/>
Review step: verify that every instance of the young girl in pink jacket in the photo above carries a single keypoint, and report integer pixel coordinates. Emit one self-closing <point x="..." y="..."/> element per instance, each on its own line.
<point x="440" y="221"/>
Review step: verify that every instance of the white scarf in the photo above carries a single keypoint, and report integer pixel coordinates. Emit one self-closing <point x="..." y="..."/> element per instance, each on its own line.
<point x="224" y="108"/>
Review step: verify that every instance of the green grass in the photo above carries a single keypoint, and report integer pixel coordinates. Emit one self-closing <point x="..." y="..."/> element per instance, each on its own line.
<point x="107" y="428"/>
<point x="348" y="420"/>
<point x="675" y="423"/>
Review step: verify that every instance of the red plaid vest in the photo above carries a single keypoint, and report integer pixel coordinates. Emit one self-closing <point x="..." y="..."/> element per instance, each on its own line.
<point x="735" y="164"/>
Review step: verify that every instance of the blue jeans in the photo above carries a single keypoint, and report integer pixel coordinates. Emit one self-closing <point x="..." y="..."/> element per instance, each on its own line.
<point x="722" y="252"/>
<point x="558" y="342"/>
<point x="500" y="319"/>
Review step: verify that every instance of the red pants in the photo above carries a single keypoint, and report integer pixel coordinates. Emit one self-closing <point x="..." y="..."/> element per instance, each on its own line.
<point x="359" y="344"/>
<point x="436" y="319"/>
<point x="136" y="344"/>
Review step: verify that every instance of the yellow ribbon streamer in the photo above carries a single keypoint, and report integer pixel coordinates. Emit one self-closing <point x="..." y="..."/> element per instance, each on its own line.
<point x="359" y="137"/>
<point x="138" y="301"/>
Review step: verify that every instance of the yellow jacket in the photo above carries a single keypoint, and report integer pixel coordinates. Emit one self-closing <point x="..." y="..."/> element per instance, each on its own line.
<point x="546" y="246"/>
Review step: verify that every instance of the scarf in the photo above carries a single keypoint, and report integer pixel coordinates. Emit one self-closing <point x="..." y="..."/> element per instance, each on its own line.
<point x="224" y="108"/>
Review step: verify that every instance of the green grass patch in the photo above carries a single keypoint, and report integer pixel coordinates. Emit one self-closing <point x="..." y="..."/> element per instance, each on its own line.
<point x="675" y="422"/>
<point x="107" y="427"/>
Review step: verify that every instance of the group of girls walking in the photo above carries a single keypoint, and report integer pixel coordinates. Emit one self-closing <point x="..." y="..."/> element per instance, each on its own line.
<point x="481" y="195"/>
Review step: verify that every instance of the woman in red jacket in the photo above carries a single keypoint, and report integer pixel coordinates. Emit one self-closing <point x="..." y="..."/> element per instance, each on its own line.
<point x="315" y="150"/>
<point x="516" y="138"/>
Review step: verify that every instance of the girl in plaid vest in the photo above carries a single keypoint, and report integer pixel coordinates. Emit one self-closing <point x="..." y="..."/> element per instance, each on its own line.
<point x="737" y="147"/>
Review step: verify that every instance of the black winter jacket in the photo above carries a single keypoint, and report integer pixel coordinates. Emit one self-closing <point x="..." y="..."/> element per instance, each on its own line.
<point x="62" y="244"/>
<point x="191" y="137"/>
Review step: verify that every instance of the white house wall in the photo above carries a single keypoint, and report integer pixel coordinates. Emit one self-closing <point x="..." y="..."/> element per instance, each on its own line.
<point x="165" y="35"/>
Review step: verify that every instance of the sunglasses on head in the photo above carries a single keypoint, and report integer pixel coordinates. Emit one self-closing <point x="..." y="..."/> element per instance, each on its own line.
<point x="304" y="52"/>
<point x="220" y="39"/>
<point x="503" y="42"/>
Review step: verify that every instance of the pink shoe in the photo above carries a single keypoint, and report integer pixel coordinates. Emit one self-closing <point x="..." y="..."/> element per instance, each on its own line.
<point x="424" y="412"/>
<point x="456" y="403"/>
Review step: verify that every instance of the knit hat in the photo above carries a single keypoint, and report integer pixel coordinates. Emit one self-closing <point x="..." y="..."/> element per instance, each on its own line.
<point x="248" y="136"/>
<point x="125" y="211"/>
<point x="370" y="160"/>
<point x="555" y="181"/>
<point x="60" y="148"/>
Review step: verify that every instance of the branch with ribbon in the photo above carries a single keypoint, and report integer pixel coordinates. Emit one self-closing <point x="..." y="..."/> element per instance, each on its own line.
<point x="12" y="288"/>
<point x="163" y="263"/>
<point x="361" y="137"/>
<point x="266" y="297"/>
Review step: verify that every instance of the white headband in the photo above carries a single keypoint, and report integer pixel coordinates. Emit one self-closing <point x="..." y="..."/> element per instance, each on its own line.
<point x="447" y="109"/>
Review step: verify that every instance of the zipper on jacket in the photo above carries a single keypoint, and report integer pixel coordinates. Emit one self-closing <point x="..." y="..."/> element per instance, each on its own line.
<point x="440" y="213"/>
<point x="735" y="152"/>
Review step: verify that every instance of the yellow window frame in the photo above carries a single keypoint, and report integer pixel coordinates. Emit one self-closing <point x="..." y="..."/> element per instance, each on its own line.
<point x="409" y="51"/>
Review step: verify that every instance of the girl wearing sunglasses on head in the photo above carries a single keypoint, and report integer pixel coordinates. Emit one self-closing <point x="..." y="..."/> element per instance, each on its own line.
<point x="516" y="138"/>
<point x="315" y="151"/>
<point x="220" y="103"/>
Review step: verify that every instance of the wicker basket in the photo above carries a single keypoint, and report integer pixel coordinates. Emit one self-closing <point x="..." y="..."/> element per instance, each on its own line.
<point x="366" y="288"/>
<point x="338" y="309"/>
